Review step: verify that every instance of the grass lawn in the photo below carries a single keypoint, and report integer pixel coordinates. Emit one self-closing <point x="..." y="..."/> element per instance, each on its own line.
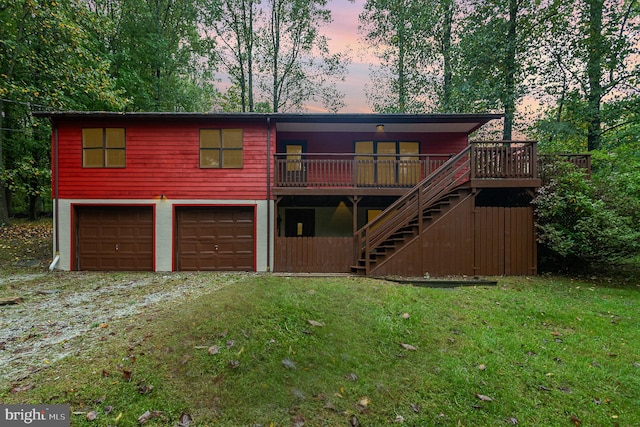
<point x="539" y="351"/>
<point x="279" y="351"/>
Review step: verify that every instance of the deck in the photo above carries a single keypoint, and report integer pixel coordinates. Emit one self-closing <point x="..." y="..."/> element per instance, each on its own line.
<point x="490" y="164"/>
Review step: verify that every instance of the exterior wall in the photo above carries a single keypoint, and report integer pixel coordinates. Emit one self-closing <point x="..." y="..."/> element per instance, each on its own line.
<point x="162" y="158"/>
<point x="314" y="254"/>
<point x="469" y="240"/>
<point x="505" y="241"/>
<point x="334" y="221"/>
<point x="445" y="248"/>
<point x="343" y="142"/>
<point x="164" y="232"/>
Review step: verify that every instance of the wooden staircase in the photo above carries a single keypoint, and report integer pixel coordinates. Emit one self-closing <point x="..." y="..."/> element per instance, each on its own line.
<point x="411" y="215"/>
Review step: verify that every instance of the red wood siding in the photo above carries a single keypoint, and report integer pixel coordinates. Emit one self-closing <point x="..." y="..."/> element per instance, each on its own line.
<point x="163" y="158"/>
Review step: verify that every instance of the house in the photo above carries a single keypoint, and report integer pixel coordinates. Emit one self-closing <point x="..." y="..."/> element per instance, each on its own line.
<point x="396" y="194"/>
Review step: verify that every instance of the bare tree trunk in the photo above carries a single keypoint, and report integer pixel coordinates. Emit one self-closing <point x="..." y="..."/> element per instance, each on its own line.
<point x="275" y="34"/>
<point x="4" y="202"/>
<point x="594" y="74"/>
<point x="510" y="79"/>
<point x="4" y="205"/>
<point x="249" y="51"/>
<point x="402" y="95"/>
<point x="446" y="55"/>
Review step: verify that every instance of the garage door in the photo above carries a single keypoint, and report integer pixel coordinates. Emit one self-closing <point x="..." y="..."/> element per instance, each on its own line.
<point x="111" y="238"/>
<point x="215" y="238"/>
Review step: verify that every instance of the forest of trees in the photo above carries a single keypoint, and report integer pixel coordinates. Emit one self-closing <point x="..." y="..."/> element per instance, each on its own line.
<point x="563" y="72"/>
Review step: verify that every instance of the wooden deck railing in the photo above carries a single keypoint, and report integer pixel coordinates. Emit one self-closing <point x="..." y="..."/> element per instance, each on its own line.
<point x="581" y="161"/>
<point x="354" y="170"/>
<point x="489" y="160"/>
<point x="504" y="160"/>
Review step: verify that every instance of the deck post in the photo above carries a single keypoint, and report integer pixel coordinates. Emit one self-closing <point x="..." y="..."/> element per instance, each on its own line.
<point x="472" y="165"/>
<point x="534" y="160"/>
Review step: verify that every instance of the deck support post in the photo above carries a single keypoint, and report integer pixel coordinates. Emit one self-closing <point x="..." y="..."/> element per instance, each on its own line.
<point x="354" y="203"/>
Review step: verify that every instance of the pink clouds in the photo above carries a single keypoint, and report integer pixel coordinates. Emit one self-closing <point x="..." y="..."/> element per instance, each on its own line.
<point x="344" y="36"/>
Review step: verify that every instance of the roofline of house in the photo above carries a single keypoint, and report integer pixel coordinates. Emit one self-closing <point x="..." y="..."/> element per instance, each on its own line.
<point x="275" y="117"/>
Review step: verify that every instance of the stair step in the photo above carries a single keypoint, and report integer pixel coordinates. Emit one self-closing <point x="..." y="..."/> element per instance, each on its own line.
<point x="405" y="231"/>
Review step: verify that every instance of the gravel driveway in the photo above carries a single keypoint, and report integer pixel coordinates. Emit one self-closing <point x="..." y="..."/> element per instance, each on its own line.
<point x="64" y="313"/>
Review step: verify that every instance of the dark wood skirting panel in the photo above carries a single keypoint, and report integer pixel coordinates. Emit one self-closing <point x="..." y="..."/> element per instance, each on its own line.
<point x="314" y="254"/>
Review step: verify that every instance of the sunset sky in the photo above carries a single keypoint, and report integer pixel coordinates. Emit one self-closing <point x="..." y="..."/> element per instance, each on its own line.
<point x="343" y="32"/>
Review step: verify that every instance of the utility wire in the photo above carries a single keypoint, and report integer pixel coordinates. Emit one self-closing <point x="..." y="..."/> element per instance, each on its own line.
<point x="29" y="104"/>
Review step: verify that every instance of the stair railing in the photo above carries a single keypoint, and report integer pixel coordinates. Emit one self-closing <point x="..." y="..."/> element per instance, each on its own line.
<point x="412" y="205"/>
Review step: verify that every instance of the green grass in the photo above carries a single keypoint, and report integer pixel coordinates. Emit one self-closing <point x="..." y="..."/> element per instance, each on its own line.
<point x="546" y="350"/>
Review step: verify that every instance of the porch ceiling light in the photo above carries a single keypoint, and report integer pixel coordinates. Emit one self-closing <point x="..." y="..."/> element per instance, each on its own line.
<point x="380" y="128"/>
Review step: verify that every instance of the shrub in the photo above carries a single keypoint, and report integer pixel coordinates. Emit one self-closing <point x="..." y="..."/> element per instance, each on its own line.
<point x="581" y="224"/>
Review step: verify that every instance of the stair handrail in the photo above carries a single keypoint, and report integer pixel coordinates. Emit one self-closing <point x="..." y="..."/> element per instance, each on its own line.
<point x="418" y="199"/>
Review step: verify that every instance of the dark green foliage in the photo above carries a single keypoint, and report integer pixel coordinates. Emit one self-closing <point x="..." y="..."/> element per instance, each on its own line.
<point x="582" y="223"/>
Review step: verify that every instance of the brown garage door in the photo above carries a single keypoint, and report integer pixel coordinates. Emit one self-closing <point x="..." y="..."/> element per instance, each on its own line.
<point x="113" y="238"/>
<point x="215" y="238"/>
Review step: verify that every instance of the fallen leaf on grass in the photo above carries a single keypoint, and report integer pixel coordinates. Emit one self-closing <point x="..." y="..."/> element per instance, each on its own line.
<point x="314" y="323"/>
<point x="145" y="389"/>
<point x="298" y="394"/>
<point x="298" y="421"/>
<point x="399" y="419"/>
<point x="408" y="347"/>
<point x="353" y="421"/>
<point x="214" y="349"/>
<point x="184" y="421"/>
<point x="351" y="377"/>
<point x="415" y="407"/>
<point x="405" y="315"/>
<point x="126" y="375"/>
<point x="234" y="364"/>
<point x="329" y="405"/>
<point x="108" y="409"/>
<point x="513" y="421"/>
<point x="148" y="415"/>
<point x="576" y="421"/>
<point x="91" y="416"/>
<point x="482" y="367"/>
<point x="484" y="398"/>
<point x="363" y="404"/>
<point x="287" y="363"/>
<point x="19" y="388"/>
